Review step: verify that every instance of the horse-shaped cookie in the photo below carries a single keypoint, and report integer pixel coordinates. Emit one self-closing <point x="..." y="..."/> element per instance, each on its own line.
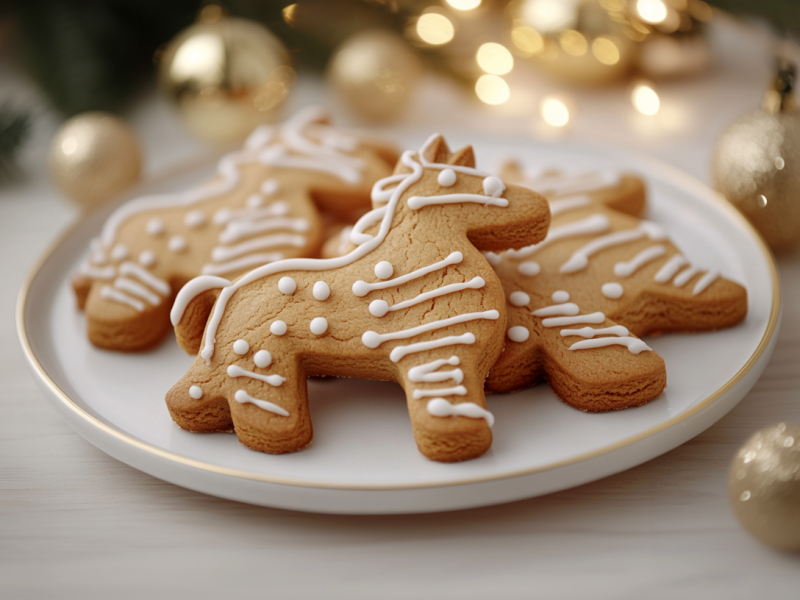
<point x="599" y="279"/>
<point x="261" y="207"/>
<point x="415" y="301"/>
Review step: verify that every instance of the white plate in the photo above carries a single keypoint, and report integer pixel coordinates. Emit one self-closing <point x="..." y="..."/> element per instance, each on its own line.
<point x="363" y="459"/>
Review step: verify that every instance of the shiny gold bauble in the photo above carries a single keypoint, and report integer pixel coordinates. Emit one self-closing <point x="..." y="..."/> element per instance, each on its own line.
<point x="375" y="72"/>
<point x="756" y="166"/>
<point x="93" y="157"/>
<point x="764" y="486"/>
<point x="226" y="75"/>
<point x="589" y="42"/>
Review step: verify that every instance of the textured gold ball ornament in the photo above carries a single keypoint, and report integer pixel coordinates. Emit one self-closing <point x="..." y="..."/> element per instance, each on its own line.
<point x="764" y="486"/>
<point x="226" y="75"/>
<point x="375" y="72"/>
<point x="756" y="165"/>
<point x="93" y="157"/>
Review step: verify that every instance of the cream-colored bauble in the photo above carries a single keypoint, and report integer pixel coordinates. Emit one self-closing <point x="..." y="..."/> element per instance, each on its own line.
<point x="586" y="42"/>
<point x="93" y="157"/>
<point x="226" y="75"/>
<point x="764" y="486"/>
<point x="756" y="166"/>
<point x="375" y="72"/>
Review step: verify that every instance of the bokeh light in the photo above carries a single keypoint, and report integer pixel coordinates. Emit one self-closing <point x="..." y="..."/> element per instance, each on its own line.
<point x="494" y="58"/>
<point x="527" y="40"/>
<point x="605" y="50"/>
<point x="492" y="89"/>
<point x="651" y="11"/>
<point x="573" y="42"/>
<point x="645" y="99"/>
<point x="435" y="29"/>
<point x="464" y="4"/>
<point x="554" y="112"/>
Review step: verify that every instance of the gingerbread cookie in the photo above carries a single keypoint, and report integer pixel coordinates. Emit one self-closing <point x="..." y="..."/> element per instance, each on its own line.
<point x="414" y="301"/>
<point x="579" y="299"/>
<point x="261" y="207"/>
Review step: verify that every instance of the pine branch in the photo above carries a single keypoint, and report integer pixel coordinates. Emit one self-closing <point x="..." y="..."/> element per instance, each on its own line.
<point x="14" y="129"/>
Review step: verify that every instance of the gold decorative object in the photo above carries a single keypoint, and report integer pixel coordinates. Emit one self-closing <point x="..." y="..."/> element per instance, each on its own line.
<point x="756" y="164"/>
<point x="93" y="157"/>
<point x="577" y="41"/>
<point x="764" y="486"/>
<point x="226" y="75"/>
<point x="375" y="72"/>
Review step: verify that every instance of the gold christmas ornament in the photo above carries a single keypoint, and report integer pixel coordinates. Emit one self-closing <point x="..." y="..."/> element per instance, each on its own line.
<point x="756" y="165"/>
<point x="764" y="486"/>
<point x="93" y="157"/>
<point x="588" y="42"/>
<point x="226" y="75"/>
<point x="375" y="72"/>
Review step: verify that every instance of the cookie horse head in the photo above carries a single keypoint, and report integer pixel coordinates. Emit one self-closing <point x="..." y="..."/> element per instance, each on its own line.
<point x="414" y="301"/>
<point x="261" y="207"/>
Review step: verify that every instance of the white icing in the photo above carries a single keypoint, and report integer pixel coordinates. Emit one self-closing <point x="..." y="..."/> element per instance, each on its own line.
<point x="519" y="298"/>
<point x="560" y="296"/>
<point x="626" y="269"/>
<point x="518" y="333"/>
<point x="225" y="215"/>
<point x="177" y="243"/>
<point x="287" y="285"/>
<point x="685" y="276"/>
<point x="384" y="270"/>
<point x="439" y="407"/>
<point x="557" y="184"/>
<point x="668" y="270"/>
<point x="273" y="380"/>
<point x="493" y="258"/>
<point x="241" y="347"/>
<point x="590" y="225"/>
<point x="417" y="202"/>
<point x="243" y="397"/>
<point x="260" y="258"/>
<point x="362" y="288"/>
<point x="563" y="205"/>
<point x="705" y="281"/>
<point x="98" y="257"/>
<point x="612" y="290"/>
<point x="137" y="289"/>
<point x="568" y="308"/>
<point x="427" y="372"/>
<point x="270" y="186"/>
<point x="595" y="317"/>
<point x="254" y="201"/>
<point x="529" y="268"/>
<point x="379" y="308"/>
<point x="580" y="258"/>
<point x="190" y="291"/>
<point x="224" y="253"/>
<point x="400" y="352"/>
<point x="194" y="219"/>
<point x="321" y="291"/>
<point x="155" y="227"/>
<point x="373" y="339"/>
<point x="147" y="258"/>
<point x="494" y="186"/>
<point x="458" y="390"/>
<point x="589" y="332"/>
<point x="119" y="252"/>
<point x="235" y="230"/>
<point x="446" y="178"/>
<point x="98" y="273"/>
<point x="195" y="392"/>
<point x="109" y="293"/>
<point x="634" y="345"/>
<point x="344" y="239"/>
<point x="278" y="328"/>
<point x="263" y="359"/>
<point x="319" y="325"/>
<point x="131" y="269"/>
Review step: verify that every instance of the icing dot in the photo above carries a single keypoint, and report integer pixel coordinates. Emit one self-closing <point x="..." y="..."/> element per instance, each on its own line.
<point x="529" y="267"/>
<point x="194" y="219"/>
<point x="98" y="257"/>
<point x="147" y="258"/>
<point x="195" y="392"/>
<point x="177" y="243"/>
<point x="447" y="177"/>
<point x="321" y="291"/>
<point x="263" y="359"/>
<point x="519" y="298"/>
<point x="270" y="186"/>
<point x="119" y="252"/>
<point x="222" y="216"/>
<point x="361" y="288"/>
<point x="612" y="290"/>
<point x="254" y="201"/>
<point x="278" y="328"/>
<point x="493" y="186"/>
<point x="560" y="296"/>
<point x="241" y="347"/>
<point x="371" y="339"/>
<point x="154" y="227"/>
<point x="518" y="333"/>
<point x="319" y="325"/>
<point x="287" y="285"/>
<point x="378" y="308"/>
<point x="384" y="269"/>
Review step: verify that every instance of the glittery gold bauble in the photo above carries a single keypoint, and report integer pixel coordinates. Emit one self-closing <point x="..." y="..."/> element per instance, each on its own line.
<point x="764" y="486"/>
<point x="756" y="166"/>
<point x="93" y="157"/>
<point x="226" y="75"/>
<point x="375" y="72"/>
<point x="576" y="41"/>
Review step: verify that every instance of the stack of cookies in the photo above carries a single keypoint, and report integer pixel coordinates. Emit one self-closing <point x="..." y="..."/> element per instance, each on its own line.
<point x="454" y="273"/>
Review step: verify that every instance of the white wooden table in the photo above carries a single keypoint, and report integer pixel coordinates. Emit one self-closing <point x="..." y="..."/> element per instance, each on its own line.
<point x="75" y="523"/>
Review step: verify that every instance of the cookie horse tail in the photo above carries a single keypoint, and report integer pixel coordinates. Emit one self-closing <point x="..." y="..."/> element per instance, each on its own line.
<point x="192" y="306"/>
